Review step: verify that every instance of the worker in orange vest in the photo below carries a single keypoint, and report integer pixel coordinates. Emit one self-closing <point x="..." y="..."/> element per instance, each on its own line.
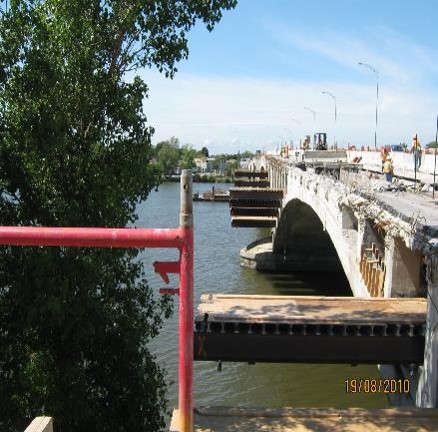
<point x="388" y="169"/>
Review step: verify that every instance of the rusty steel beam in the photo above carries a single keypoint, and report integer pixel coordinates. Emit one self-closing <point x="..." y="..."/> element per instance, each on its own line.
<point x="252" y="194"/>
<point x="250" y="174"/>
<point x="252" y="183"/>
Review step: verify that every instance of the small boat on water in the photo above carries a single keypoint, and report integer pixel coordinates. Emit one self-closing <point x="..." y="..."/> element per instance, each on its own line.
<point x="215" y="195"/>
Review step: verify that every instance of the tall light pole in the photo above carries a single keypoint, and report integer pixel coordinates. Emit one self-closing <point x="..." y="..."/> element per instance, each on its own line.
<point x="314" y="117"/>
<point x="336" y="115"/>
<point x="372" y="69"/>
<point x="280" y="139"/>
<point x="290" y="133"/>
<point x="299" y="124"/>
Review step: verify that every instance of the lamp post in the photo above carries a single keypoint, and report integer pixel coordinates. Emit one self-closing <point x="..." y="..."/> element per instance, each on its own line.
<point x="372" y="69"/>
<point x="336" y="115"/>
<point x="314" y="117"/>
<point x="279" y="143"/>
<point x="299" y="124"/>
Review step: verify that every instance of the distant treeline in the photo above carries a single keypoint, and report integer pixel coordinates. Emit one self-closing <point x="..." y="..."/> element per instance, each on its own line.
<point x="170" y="157"/>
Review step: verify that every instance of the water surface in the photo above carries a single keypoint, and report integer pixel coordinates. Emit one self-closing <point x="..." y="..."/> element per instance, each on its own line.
<point x="217" y="270"/>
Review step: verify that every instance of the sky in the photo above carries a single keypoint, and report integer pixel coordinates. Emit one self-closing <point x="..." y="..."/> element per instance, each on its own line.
<point x="245" y="84"/>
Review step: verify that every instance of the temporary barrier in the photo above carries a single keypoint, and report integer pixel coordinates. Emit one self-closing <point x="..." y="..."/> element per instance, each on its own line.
<point x="180" y="238"/>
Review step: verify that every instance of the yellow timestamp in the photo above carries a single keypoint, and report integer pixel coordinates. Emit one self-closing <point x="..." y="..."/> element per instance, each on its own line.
<point x="391" y="385"/>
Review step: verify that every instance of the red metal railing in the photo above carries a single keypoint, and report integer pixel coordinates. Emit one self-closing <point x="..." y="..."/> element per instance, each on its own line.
<point x="180" y="238"/>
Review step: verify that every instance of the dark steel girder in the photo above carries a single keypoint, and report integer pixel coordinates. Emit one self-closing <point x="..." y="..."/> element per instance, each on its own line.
<point x="298" y="348"/>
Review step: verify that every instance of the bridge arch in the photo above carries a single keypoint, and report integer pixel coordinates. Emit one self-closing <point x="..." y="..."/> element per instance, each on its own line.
<point x="302" y="239"/>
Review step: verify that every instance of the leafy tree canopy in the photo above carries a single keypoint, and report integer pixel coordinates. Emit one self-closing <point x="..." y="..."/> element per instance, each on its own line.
<point x="168" y="155"/>
<point x="74" y="151"/>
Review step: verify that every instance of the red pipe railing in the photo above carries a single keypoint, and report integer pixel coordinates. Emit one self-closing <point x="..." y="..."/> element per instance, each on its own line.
<point x="92" y="237"/>
<point x="180" y="238"/>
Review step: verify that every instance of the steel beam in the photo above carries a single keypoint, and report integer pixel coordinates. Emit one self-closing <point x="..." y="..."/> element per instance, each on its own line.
<point x="284" y="348"/>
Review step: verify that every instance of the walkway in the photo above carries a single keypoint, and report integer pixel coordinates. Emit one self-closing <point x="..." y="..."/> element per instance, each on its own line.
<point x="218" y="419"/>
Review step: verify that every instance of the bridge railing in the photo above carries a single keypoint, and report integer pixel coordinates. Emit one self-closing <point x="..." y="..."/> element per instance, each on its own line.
<point x="180" y="238"/>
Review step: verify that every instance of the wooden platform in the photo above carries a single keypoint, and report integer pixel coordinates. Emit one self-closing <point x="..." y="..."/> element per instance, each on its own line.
<point x="316" y="310"/>
<point x="212" y="419"/>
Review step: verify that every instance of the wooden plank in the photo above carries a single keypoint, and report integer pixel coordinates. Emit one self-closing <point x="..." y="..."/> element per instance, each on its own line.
<point x="308" y="309"/>
<point x="221" y="419"/>
<point x="41" y="424"/>
<point x="382" y="281"/>
<point x="368" y="270"/>
<point x="374" y="279"/>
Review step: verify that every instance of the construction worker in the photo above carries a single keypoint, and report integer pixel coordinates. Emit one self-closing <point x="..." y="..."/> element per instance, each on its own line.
<point x="416" y="151"/>
<point x="306" y="143"/>
<point x="383" y="155"/>
<point x="388" y="169"/>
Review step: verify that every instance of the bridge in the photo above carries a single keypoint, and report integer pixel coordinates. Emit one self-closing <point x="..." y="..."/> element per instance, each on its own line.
<point x="331" y="211"/>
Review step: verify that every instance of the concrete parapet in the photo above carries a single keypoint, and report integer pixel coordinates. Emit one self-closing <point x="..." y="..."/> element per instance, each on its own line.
<point x="403" y="164"/>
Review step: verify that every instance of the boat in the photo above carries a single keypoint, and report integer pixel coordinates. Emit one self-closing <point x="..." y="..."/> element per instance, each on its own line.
<point x="215" y="195"/>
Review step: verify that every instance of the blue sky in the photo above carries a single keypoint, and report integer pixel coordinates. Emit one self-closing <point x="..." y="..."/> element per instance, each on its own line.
<point x="244" y="82"/>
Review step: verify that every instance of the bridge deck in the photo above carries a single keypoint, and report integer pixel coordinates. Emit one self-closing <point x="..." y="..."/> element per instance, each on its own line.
<point x="316" y="310"/>
<point x="220" y="419"/>
<point x="310" y="329"/>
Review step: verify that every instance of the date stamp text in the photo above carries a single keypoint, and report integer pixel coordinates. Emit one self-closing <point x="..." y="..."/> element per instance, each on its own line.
<point x="392" y="385"/>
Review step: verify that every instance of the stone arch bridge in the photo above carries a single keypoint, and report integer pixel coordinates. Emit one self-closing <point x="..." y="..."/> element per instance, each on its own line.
<point x="336" y="215"/>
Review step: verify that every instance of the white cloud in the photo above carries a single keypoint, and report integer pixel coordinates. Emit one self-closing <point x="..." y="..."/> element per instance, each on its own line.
<point x="227" y="115"/>
<point x="396" y="56"/>
<point x="230" y="114"/>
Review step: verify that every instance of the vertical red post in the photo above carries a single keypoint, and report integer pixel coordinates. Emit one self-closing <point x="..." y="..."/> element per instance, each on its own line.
<point x="186" y="312"/>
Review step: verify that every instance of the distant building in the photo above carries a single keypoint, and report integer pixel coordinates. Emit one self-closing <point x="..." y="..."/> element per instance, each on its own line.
<point x="244" y="163"/>
<point x="204" y="164"/>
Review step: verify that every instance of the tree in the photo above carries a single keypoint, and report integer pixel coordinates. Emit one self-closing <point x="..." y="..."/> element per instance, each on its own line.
<point x="168" y="155"/>
<point x="74" y="151"/>
<point x="188" y="154"/>
<point x="204" y="151"/>
<point x="230" y="167"/>
<point x="432" y="144"/>
<point x="246" y="154"/>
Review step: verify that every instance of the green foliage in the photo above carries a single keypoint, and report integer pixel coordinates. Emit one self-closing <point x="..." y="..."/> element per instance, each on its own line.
<point x="432" y="144"/>
<point x="246" y="155"/>
<point x="204" y="151"/>
<point x="168" y="155"/>
<point x="74" y="151"/>
<point x="188" y="154"/>
<point x="230" y="167"/>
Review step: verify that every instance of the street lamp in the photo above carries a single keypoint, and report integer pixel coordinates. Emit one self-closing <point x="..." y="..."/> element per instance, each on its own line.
<point x="314" y="117"/>
<point x="313" y="112"/>
<point x="372" y="69"/>
<point x="296" y="121"/>
<point x="299" y="124"/>
<point x="279" y="142"/>
<point x="336" y="115"/>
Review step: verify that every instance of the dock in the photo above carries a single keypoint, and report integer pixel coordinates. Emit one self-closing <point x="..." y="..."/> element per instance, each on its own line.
<point x="218" y="419"/>
<point x="346" y="330"/>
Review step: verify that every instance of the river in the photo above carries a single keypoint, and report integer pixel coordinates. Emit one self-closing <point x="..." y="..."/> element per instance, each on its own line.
<point x="217" y="270"/>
